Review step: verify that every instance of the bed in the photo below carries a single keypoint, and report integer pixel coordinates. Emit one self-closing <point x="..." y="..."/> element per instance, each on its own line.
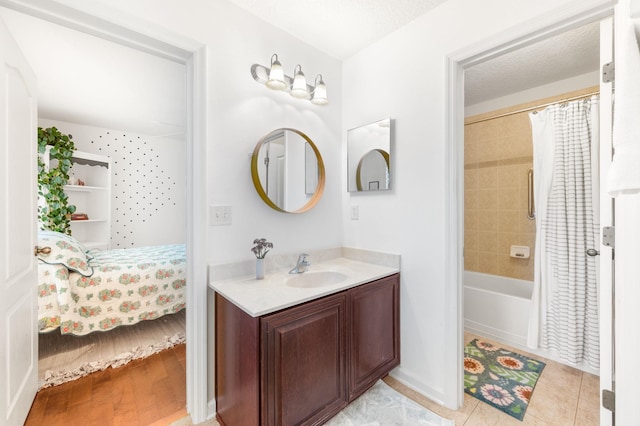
<point x="81" y="291"/>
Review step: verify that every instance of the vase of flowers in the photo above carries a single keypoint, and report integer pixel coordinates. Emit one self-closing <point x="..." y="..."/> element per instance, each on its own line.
<point x="260" y="249"/>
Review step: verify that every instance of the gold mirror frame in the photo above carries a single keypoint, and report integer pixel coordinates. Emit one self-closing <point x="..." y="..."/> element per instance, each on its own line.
<point x="317" y="194"/>
<point x="385" y="156"/>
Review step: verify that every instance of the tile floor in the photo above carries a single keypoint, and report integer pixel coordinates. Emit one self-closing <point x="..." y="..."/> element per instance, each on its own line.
<point x="563" y="396"/>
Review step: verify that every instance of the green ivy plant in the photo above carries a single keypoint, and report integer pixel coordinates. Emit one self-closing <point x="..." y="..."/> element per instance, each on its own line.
<point x="55" y="213"/>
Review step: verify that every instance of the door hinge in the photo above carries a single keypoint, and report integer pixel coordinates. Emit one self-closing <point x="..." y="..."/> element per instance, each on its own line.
<point x="609" y="236"/>
<point x="608" y="72"/>
<point x="609" y="400"/>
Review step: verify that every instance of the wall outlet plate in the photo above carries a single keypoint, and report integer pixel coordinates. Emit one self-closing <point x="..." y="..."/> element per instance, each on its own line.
<point x="219" y="215"/>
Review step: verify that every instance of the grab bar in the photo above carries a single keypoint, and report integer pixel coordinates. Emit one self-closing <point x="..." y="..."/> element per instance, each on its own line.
<point x="531" y="214"/>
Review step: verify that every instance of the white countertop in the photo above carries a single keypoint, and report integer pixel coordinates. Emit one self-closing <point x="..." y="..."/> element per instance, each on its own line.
<point x="261" y="297"/>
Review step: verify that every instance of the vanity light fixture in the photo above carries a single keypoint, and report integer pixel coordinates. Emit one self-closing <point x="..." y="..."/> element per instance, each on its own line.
<point x="276" y="75"/>
<point x="319" y="96"/>
<point x="275" y="78"/>
<point x="299" y="88"/>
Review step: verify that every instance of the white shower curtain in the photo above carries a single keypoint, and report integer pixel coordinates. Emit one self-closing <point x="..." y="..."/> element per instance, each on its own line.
<point x="564" y="315"/>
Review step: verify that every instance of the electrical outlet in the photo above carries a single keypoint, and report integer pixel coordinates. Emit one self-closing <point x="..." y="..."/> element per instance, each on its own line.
<point x="355" y="212"/>
<point x="219" y="215"/>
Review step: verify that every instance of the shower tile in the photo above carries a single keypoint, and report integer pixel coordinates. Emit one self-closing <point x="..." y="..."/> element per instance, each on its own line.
<point x="520" y="146"/>
<point x="486" y="130"/>
<point x="471" y="220"/>
<point x="488" y="221"/>
<point x="470" y="179"/>
<point x="471" y="199"/>
<point x="505" y="240"/>
<point x="471" y="261"/>
<point x="514" y="126"/>
<point x="508" y="221"/>
<point x="488" y="199"/>
<point x="487" y="263"/>
<point x="471" y="152"/>
<point x="488" y="178"/>
<point x="488" y="242"/>
<point x="470" y="241"/>
<point x="488" y="150"/>
<point x="508" y="199"/>
<point x="526" y="226"/>
<point x="508" y="176"/>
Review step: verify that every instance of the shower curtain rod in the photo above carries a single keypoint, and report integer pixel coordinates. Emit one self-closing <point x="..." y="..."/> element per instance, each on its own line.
<point x="533" y="108"/>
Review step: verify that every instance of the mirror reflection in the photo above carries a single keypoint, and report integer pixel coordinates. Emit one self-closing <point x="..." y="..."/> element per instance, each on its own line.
<point x="287" y="171"/>
<point x="368" y="157"/>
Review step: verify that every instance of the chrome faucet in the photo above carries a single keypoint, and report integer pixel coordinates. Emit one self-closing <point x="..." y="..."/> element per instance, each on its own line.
<point x="302" y="265"/>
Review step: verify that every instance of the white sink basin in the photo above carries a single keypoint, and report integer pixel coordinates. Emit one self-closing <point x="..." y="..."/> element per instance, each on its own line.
<point x="316" y="279"/>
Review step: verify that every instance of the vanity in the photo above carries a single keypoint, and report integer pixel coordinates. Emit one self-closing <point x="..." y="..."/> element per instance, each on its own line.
<point x="296" y="349"/>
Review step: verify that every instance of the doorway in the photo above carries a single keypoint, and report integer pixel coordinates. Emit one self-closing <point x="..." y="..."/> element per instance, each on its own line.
<point x="192" y="55"/>
<point x="459" y="61"/>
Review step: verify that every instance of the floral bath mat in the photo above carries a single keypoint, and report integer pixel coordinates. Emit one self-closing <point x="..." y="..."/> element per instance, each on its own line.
<point x="499" y="377"/>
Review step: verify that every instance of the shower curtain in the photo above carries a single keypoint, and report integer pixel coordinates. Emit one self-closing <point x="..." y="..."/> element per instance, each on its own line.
<point x="564" y="314"/>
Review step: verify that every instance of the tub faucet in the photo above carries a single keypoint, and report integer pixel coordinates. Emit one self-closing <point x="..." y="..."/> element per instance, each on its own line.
<point x="302" y="265"/>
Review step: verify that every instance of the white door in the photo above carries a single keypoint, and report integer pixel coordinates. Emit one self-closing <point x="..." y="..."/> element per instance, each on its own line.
<point x="606" y="219"/>
<point x="18" y="276"/>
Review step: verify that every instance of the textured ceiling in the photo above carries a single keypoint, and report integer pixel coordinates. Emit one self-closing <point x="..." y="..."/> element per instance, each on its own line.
<point x="338" y="27"/>
<point x="566" y="55"/>
<point x="342" y="27"/>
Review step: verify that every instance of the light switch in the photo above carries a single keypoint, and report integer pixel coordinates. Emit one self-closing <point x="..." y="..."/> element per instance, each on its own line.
<point x="219" y="215"/>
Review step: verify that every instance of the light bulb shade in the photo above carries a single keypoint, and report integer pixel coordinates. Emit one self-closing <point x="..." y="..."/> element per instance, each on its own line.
<point x="276" y="75"/>
<point x="319" y="96"/>
<point x="299" y="88"/>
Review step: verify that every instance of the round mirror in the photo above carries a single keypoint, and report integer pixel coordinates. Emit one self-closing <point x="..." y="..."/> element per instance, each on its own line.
<point x="373" y="171"/>
<point x="287" y="171"/>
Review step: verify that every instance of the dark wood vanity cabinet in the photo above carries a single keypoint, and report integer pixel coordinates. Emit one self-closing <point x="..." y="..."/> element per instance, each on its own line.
<point x="302" y="365"/>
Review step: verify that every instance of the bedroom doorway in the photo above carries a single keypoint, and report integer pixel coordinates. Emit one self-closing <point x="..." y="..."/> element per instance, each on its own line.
<point x="191" y="56"/>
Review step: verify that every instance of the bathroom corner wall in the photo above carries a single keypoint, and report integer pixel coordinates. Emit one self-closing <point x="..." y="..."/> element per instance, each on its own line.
<point x="498" y="155"/>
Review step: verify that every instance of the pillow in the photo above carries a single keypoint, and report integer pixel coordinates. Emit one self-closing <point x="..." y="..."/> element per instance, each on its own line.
<point x="65" y="250"/>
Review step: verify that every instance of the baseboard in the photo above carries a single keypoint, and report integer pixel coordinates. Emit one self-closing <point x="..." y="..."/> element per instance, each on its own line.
<point x="211" y="409"/>
<point x="435" y="395"/>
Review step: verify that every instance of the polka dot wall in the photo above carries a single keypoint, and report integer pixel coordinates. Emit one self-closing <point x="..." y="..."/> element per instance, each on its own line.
<point x="148" y="184"/>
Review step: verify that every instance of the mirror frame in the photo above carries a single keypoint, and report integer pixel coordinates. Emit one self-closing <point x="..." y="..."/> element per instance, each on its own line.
<point x="258" y="185"/>
<point x="385" y="156"/>
<point x="353" y="169"/>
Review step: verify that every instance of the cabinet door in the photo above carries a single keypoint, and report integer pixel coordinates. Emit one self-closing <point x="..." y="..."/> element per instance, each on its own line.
<point x="374" y="332"/>
<point x="304" y="363"/>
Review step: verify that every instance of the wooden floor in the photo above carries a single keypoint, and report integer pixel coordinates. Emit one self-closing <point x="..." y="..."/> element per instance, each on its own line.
<point x="149" y="391"/>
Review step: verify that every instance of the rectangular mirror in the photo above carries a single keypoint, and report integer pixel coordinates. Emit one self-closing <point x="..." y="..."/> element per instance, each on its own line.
<point x="368" y="157"/>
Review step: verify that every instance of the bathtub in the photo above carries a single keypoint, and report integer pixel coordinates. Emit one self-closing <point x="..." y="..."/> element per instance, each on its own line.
<point x="497" y="307"/>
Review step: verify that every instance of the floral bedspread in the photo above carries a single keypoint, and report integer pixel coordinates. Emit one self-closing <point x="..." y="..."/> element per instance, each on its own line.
<point x="127" y="286"/>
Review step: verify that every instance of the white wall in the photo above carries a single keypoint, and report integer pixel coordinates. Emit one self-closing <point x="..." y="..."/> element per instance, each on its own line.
<point x="148" y="183"/>
<point x="403" y="76"/>
<point x="241" y="111"/>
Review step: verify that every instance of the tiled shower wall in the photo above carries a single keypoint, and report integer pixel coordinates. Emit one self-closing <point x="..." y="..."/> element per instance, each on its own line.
<point x="498" y="154"/>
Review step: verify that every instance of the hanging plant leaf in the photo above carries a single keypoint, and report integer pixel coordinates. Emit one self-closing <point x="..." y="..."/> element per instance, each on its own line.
<point x="55" y="215"/>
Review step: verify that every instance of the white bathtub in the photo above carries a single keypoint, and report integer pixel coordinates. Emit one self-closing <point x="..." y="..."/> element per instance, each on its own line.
<point x="497" y="307"/>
